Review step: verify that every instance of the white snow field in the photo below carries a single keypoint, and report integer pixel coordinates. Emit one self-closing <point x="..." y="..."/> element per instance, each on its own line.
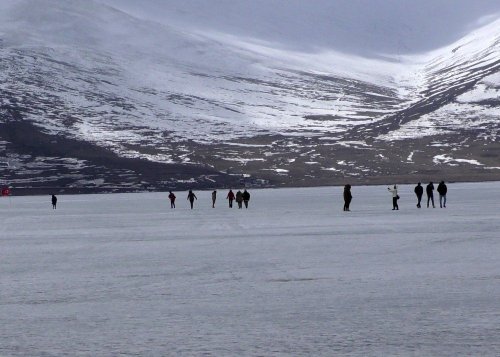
<point x="294" y="275"/>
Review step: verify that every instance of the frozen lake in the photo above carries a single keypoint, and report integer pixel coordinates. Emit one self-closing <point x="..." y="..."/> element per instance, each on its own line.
<point x="123" y="274"/>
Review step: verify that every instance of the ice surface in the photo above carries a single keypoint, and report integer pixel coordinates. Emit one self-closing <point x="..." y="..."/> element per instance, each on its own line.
<point x="123" y="274"/>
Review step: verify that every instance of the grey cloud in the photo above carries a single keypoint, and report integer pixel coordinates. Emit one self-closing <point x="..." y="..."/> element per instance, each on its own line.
<point x="356" y="26"/>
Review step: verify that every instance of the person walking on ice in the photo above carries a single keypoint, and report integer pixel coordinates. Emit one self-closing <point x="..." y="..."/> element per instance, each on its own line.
<point x="54" y="202"/>
<point x="442" y="190"/>
<point x="172" y="197"/>
<point x="419" y="191"/>
<point x="430" y="194"/>
<point x="246" y="198"/>
<point x="347" y="197"/>
<point x="395" y="197"/>
<point x="230" y="196"/>
<point x="239" y="199"/>
<point x="214" y="197"/>
<point x="191" y="197"/>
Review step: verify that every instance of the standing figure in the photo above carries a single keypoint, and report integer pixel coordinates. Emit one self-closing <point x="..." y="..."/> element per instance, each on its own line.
<point x="191" y="197"/>
<point x="430" y="194"/>
<point x="442" y="190"/>
<point x="419" y="191"/>
<point x="246" y="198"/>
<point x="239" y="199"/>
<point x="395" y="197"/>
<point x="214" y="197"/>
<point x="230" y="197"/>
<point x="172" y="197"/>
<point x="347" y="197"/>
<point x="54" y="202"/>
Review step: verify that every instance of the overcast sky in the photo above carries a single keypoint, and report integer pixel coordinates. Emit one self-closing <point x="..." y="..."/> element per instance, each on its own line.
<point x="355" y="26"/>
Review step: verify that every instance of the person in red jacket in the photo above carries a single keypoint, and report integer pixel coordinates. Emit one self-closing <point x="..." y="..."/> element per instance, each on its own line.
<point x="230" y="197"/>
<point x="171" y="196"/>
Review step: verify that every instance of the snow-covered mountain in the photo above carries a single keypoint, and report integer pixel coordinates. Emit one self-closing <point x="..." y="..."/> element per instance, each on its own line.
<point x="92" y="96"/>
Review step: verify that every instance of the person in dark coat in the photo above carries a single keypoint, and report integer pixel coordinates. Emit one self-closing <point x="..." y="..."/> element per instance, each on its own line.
<point x="214" y="197"/>
<point x="239" y="199"/>
<point x="54" y="202"/>
<point x="442" y="190"/>
<point x="347" y="197"/>
<point x="230" y="196"/>
<point x="246" y="198"/>
<point x="430" y="194"/>
<point x="419" y="191"/>
<point x="172" y="197"/>
<point x="191" y="197"/>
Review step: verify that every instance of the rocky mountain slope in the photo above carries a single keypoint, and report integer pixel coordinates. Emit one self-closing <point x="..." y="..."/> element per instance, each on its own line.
<point x="92" y="98"/>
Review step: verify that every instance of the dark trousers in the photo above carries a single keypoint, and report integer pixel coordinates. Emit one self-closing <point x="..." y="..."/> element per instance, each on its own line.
<point x="230" y="203"/>
<point x="430" y="198"/>
<point x="346" y="205"/>
<point x="419" y="198"/>
<point x="395" y="203"/>
<point x="246" y="203"/>
<point x="191" y="202"/>
<point x="172" y="204"/>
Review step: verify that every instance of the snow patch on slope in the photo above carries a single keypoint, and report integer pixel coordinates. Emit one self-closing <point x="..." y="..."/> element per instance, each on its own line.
<point x="445" y="159"/>
<point x="98" y="74"/>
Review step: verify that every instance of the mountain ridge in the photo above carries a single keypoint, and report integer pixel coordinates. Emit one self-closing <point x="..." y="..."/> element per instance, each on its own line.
<point x="255" y="115"/>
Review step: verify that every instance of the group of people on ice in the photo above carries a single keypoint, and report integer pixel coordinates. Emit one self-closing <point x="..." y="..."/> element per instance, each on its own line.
<point x="442" y="189"/>
<point x="240" y="198"/>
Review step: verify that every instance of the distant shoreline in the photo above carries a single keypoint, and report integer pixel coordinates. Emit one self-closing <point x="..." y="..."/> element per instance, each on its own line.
<point x="41" y="191"/>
